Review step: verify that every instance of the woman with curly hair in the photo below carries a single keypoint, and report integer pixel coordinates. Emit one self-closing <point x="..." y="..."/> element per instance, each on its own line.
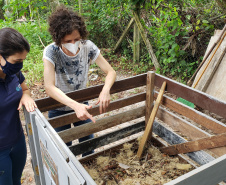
<point x="66" y="66"/>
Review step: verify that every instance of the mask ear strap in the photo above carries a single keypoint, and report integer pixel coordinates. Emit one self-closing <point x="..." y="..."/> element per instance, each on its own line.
<point x="4" y="58"/>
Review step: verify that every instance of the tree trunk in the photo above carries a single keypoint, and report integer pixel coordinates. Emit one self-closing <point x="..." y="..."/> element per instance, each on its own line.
<point x="80" y="6"/>
<point x="136" y="39"/>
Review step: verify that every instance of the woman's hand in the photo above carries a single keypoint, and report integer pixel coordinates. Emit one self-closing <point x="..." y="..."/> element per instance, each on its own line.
<point x="81" y="111"/>
<point x="104" y="97"/>
<point x="104" y="100"/>
<point x="28" y="102"/>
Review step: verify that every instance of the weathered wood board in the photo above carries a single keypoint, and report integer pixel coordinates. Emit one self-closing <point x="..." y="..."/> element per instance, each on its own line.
<point x="213" y="79"/>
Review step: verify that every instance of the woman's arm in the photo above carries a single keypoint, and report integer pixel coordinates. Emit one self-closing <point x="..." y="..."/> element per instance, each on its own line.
<point x="104" y="97"/>
<point x="26" y="99"/>
<point x="60" y="96"/>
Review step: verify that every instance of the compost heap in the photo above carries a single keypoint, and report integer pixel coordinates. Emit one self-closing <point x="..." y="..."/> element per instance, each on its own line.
<point x="123" y="168"/>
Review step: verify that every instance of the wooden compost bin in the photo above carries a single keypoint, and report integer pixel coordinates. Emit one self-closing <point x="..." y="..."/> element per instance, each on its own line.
<point x="179" y="123"/>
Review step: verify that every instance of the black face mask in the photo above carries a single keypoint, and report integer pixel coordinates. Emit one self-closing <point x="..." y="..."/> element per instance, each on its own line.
<point x="10" y="69"/>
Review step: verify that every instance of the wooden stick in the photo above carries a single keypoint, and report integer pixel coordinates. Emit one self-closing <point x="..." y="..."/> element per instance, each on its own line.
<point x="41" y="41"/>
<point x="124" y="34"/>
<point x="200" y="144"/>
<point x="148" y="129"/>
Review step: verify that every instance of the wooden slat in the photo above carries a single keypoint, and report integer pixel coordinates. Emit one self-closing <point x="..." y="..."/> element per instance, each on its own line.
<point x="198" y="117"/>
<point x="71" y="117"/>
<point x="149" y="94"/>
<point x="46" y="104"/>
<point x="101" y="124"/>
<point x="186" y="129"/>
<point x="199" y="98"/>
<point x="200" y="144"/>
<point x="107" y="138"/>
<point x="171" y="137"/>
<point x="208" y="174"/>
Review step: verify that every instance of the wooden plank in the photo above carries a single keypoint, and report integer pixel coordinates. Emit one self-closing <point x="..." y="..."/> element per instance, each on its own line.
<point x="101" y="124"/>
<point x="186" y="129"/>
<point x="123" y="34"/>
<point x="208" y="122"/>
<point x="149" y="94"/>
<point x="200" y="144"/>
<point x="199" y="98"/>
<point x="46" y="104"/>
<point x="171" y="137"/>
<point x="216" y="87"/>
<point x="107" y="138"/>
<point x="213" y="42"/>
<point x="213" y="63"/>
<point x="208" y="174"/>
<point x="146" y="41"/>
<point x="148" y="130"/>
<point x="71" y="117"/>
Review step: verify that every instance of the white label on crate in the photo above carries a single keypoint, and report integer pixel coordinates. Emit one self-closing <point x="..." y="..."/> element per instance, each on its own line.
<point x="49" y="164"/>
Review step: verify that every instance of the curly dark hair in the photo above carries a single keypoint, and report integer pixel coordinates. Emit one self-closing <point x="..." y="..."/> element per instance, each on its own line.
<point x="63" y="22"/>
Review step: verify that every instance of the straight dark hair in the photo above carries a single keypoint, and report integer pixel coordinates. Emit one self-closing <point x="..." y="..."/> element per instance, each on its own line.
<point x="11" y="42"/>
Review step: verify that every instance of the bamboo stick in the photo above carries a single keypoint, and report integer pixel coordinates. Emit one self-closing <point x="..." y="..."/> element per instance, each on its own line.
<point x="146" y="41"/>
<point x="123" y="34"/>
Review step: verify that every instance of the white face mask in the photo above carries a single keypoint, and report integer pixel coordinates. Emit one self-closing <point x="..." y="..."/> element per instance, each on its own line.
<point x="73" y="48"/>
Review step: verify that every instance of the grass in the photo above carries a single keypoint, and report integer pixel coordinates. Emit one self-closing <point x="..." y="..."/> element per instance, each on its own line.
<point x="33" y="32"/>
